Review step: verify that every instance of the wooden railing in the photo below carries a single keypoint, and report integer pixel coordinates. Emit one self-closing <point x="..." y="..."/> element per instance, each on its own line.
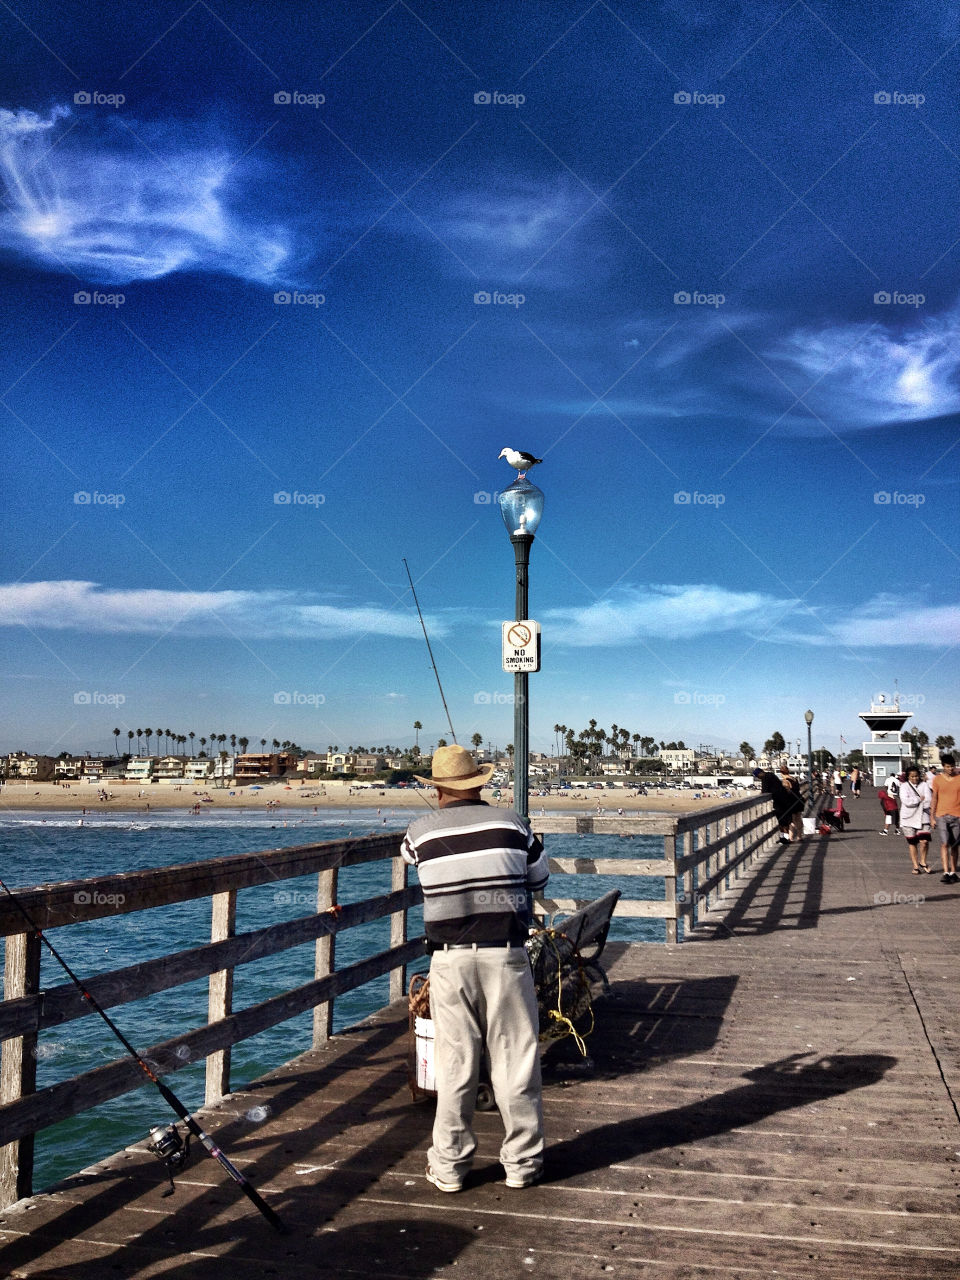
<point x="703" y="850"/>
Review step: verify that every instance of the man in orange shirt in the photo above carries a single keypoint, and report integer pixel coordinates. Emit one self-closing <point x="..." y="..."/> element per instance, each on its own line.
<point x="945" y="812"/>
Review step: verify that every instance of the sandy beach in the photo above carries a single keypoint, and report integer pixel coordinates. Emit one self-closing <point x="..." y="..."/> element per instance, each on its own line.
<point x="135" y="797"/>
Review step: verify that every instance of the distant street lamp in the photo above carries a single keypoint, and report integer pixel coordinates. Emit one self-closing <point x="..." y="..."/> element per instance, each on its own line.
<point x="521" y="505"/>
<point x="808" y="716"/>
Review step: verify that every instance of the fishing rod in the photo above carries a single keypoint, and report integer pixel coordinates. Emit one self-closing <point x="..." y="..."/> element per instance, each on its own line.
<point x="430" y="651"/>
<point x="165" y="1143"/>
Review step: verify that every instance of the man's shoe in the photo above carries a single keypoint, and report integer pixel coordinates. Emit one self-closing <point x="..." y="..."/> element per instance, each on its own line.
<point x="519" y="1181"/>
<point x="946" y="878"/>
<point x="439" y="1183"/>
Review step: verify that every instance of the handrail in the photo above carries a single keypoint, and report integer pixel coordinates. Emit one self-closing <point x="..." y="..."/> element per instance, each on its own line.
<point x="711" y="845"/>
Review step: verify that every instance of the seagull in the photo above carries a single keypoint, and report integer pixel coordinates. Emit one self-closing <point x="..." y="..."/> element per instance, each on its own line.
<point x="520" y="459"/>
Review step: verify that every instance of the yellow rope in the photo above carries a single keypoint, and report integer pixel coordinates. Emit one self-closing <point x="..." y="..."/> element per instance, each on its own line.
<point x="557" y="1016"/>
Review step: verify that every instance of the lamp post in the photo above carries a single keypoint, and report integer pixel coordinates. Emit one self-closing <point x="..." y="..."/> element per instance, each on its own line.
<point x="808" y="716"/>
<point x="521" y="505"/>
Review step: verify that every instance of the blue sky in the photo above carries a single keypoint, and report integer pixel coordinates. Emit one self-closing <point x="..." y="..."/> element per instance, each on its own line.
<point x="245" y="370"/>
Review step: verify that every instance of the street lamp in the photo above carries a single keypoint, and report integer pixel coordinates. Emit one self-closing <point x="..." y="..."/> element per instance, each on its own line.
<point x="521" y="505"/>
<point x="808" y="716"/>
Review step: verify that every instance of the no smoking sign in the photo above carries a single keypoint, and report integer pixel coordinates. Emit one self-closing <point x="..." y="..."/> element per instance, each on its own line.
<point x="521" y="646"/>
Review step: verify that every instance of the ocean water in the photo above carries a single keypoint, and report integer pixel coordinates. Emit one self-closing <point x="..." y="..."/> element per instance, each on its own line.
<point x="38" y="848"/>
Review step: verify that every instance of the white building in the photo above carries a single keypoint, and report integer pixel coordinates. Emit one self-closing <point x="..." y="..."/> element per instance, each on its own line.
<point x="886" y="753"/>
<point x="140" y="770"/>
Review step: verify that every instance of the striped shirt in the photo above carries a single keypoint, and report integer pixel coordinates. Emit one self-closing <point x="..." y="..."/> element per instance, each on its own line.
<point x="477" y="866"/>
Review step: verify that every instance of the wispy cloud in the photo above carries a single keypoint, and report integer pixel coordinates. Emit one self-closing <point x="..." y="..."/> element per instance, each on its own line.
<point x="98" y="610"/>
<point x="663" y="612"/>
<point x="115" y="201"/>
<point x="691" y="611"/>
<point x="870" y="375"/>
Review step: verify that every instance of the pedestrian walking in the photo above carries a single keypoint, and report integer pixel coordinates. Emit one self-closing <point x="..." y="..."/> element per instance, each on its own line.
<point x="888" y="795"/>
<point x="478" y="867"/>
<point x="915" y="799"/>
<point x="945" y="811"/>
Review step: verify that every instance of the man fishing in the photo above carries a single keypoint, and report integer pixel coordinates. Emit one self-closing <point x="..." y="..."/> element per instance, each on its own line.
<point x="477" y="867"/>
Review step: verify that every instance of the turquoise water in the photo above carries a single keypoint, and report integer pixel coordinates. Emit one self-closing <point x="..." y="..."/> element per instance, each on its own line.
<point x="38" y="848"/>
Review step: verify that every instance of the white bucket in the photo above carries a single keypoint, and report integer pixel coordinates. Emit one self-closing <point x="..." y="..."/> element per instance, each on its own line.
<point x="423" y="1037"/>
<point x="809" y="826"/>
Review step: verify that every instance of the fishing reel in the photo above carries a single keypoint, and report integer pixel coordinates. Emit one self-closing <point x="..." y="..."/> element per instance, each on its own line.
<point x="169" y="1147"/>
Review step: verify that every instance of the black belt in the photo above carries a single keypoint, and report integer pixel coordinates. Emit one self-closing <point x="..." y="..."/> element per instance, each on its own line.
<point x="471" y="946"/>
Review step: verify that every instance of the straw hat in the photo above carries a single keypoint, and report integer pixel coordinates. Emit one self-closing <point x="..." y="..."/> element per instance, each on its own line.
<point x="454" y="769"/>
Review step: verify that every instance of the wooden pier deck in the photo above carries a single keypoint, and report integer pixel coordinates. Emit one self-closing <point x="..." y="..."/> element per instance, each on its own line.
<point x="777" y="1096"/>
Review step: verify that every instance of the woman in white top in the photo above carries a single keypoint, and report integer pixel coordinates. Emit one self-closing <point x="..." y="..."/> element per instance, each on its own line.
<point x="915" y="800"/>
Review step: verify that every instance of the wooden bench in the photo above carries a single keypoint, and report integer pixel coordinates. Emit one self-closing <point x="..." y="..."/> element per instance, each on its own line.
<point x="590" y="925"/>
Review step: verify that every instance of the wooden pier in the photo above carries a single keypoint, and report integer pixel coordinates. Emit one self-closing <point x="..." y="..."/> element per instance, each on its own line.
<point x="775" y="1096"/>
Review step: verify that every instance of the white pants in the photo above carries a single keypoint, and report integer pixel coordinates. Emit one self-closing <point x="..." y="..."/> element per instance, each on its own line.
<point x="485" y="996"/>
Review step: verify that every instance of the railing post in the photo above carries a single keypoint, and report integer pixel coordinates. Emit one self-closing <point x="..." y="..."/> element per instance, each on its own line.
<point x="670" y="885"/>
<point x="325" y="957"/>
<point x="688" y="883"/>
<point x="18" y="1072"/>
<point x="398" y="930"/>
<point x="223" y="924"/>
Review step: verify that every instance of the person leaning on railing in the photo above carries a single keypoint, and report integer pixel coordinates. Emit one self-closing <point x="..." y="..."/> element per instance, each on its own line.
<point x="478" y="867"/>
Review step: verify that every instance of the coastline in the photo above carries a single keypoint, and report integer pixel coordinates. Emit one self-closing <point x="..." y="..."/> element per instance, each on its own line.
<point x="137" y="798"/>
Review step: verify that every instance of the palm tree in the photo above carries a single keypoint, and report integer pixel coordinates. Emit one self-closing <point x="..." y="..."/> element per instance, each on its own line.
<point x="477" y="741"/>
<point x="191" y="735"/>
<point x="148" y="734"/>
<point x="441" y="742"/>
<point x="139" y="736"/>
<point x="276" y="744"/>
<point x="244" y="743"/>
<point x="944" y="742"/>
<point x="129" y="742"/>
<point x="417" y="726"/>
<point x="203" y="746"/>
<point x="116" y="739"/>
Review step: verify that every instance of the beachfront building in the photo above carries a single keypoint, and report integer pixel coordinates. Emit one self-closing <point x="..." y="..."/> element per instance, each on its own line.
<point x="255" y="766"/>
<point x="30" y="768"/>
<point x="169" y="769"/>
<point x="198" y="770"/>
<point x="679" y="760"/>
<point x="102" y="768"/>
<point x="367" y="764"/>
<point x="341" y="761"/>
<point x="67" y="769"/>
<point x="887" y="752"/>
<point x="223" y="768"/>
<point x="140" y="769"/>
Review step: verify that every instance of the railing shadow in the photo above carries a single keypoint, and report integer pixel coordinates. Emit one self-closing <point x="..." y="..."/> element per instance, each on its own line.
<point x="778" y="1086"/>
<point x="784" y="870"/>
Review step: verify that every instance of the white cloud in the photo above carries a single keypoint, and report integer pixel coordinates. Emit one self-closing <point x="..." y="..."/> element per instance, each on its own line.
<point x="89" y="607"/>
<point x="873" y="374"/>
<point x="663" y="612"/>
<point x="115" y="202"/>
<point x="695" y="611"/>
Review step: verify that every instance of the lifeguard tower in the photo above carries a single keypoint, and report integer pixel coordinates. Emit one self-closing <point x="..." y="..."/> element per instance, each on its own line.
<point x="886" y="752"/>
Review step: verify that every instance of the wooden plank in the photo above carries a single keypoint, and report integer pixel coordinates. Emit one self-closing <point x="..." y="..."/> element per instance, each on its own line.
<point x="223" y="911"/>
<point x="399" y="878"/>
<point x="608" y="866"/>
<point x="324" y="955"/>
<point x="68" y="902"/>
<point x="629" y="908"/>
<point x="18" y="1068"/>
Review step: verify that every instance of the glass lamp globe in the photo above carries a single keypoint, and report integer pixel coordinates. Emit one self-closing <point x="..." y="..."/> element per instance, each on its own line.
<point x="808" y="716"/>
<point x="521" y="505"/>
